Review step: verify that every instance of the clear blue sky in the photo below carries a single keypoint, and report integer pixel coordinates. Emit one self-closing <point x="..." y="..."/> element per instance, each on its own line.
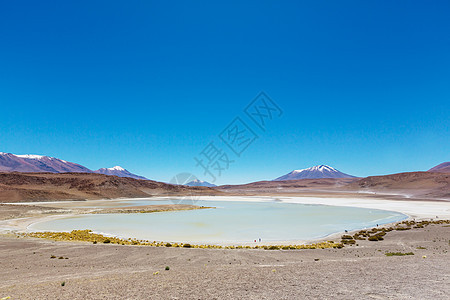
<point x="364" y="85"/>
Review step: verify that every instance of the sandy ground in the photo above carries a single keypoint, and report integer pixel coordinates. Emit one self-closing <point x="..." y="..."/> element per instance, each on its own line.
<point x="130" y="272"/>
<point x="127" y="272"/>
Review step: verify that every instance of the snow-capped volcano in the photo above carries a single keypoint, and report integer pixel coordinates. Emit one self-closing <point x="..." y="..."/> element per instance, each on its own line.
<point x="198" y="182"/>
<point x="118" y="171"/>
<point x="320" y="171"/>
<point x="38" y="163"/>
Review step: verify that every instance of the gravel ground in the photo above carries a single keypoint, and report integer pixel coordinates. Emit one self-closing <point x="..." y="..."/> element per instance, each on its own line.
<point x="132" y="272"/>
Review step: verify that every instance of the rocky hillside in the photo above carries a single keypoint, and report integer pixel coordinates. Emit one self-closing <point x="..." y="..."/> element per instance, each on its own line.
<point x="413" y="184"/>
<point x="23" y="187"/>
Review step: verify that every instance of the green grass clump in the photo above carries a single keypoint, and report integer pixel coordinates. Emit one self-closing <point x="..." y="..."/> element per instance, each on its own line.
<point x="167" y="268"/>
<point x="398" y="253"/>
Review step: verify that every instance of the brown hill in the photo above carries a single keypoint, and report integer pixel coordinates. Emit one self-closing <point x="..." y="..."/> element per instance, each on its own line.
<point x="417" y="185"/>
<point x="413" y="184"/>
<point x="288" y="186"/>
<point x="442" y="168"/>
<point x="22" y="187"/>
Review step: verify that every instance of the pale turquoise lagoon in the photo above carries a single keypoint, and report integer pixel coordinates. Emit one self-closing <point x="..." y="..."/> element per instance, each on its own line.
<point x="229" y="222"/>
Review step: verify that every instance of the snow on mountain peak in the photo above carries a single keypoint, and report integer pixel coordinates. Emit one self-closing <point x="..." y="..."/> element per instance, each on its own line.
<point x="319" y="168"/>
<point x="116" y="168"/>
<point x="319" y="171"/>
<point x="31" y="156"/>
<point x="38" y="157"/>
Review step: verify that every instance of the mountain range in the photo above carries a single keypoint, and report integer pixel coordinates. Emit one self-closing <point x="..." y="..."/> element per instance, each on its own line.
<point x="198" y="182"/>
<point x="316" y="172"/>
<point x="39" y="163"/>
<point x="29" y="163"/>
<point x="38" y="178"/>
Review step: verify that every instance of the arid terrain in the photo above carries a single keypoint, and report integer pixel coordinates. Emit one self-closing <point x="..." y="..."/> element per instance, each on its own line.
<point x="413" y="185"/>
<point x="424" y="185"/>
<point x="31" y="187"/>
<point x="46" y="269"/>
<point x="86" y="271"/>
<point x="26" y="187"/>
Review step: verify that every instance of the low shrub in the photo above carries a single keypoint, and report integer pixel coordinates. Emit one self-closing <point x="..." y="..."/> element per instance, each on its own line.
<point x="398" y="253"/>
<point x="348" y="242"/>
<point x="273" y="247"/>
<point x="399" y="228"/>
<point x="375" y="238"/>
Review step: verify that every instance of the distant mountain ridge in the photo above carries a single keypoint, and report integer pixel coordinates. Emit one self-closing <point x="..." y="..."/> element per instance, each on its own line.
<point x="38" y="163"/>
<point x="119" y="171"/>
<point x="316" y="172"/>
<point x="441" y="168"/>
<point x="198" y="182"/>
<point x="30" y="163"/>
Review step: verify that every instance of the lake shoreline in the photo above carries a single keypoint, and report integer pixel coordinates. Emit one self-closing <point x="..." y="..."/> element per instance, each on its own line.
<point x="414" y="210"/>
<point x="31" y="269"/>
<point x="34" y="268"/>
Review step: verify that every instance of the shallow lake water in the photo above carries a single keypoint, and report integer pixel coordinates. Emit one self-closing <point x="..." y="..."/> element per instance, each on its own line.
<point x="229" y="222"/>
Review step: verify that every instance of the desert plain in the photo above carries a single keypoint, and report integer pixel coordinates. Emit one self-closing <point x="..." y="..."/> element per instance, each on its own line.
<point x="46" y="269"/>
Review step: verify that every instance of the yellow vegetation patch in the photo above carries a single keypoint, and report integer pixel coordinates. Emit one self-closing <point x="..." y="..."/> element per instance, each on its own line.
<point x="88" y="236"/>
